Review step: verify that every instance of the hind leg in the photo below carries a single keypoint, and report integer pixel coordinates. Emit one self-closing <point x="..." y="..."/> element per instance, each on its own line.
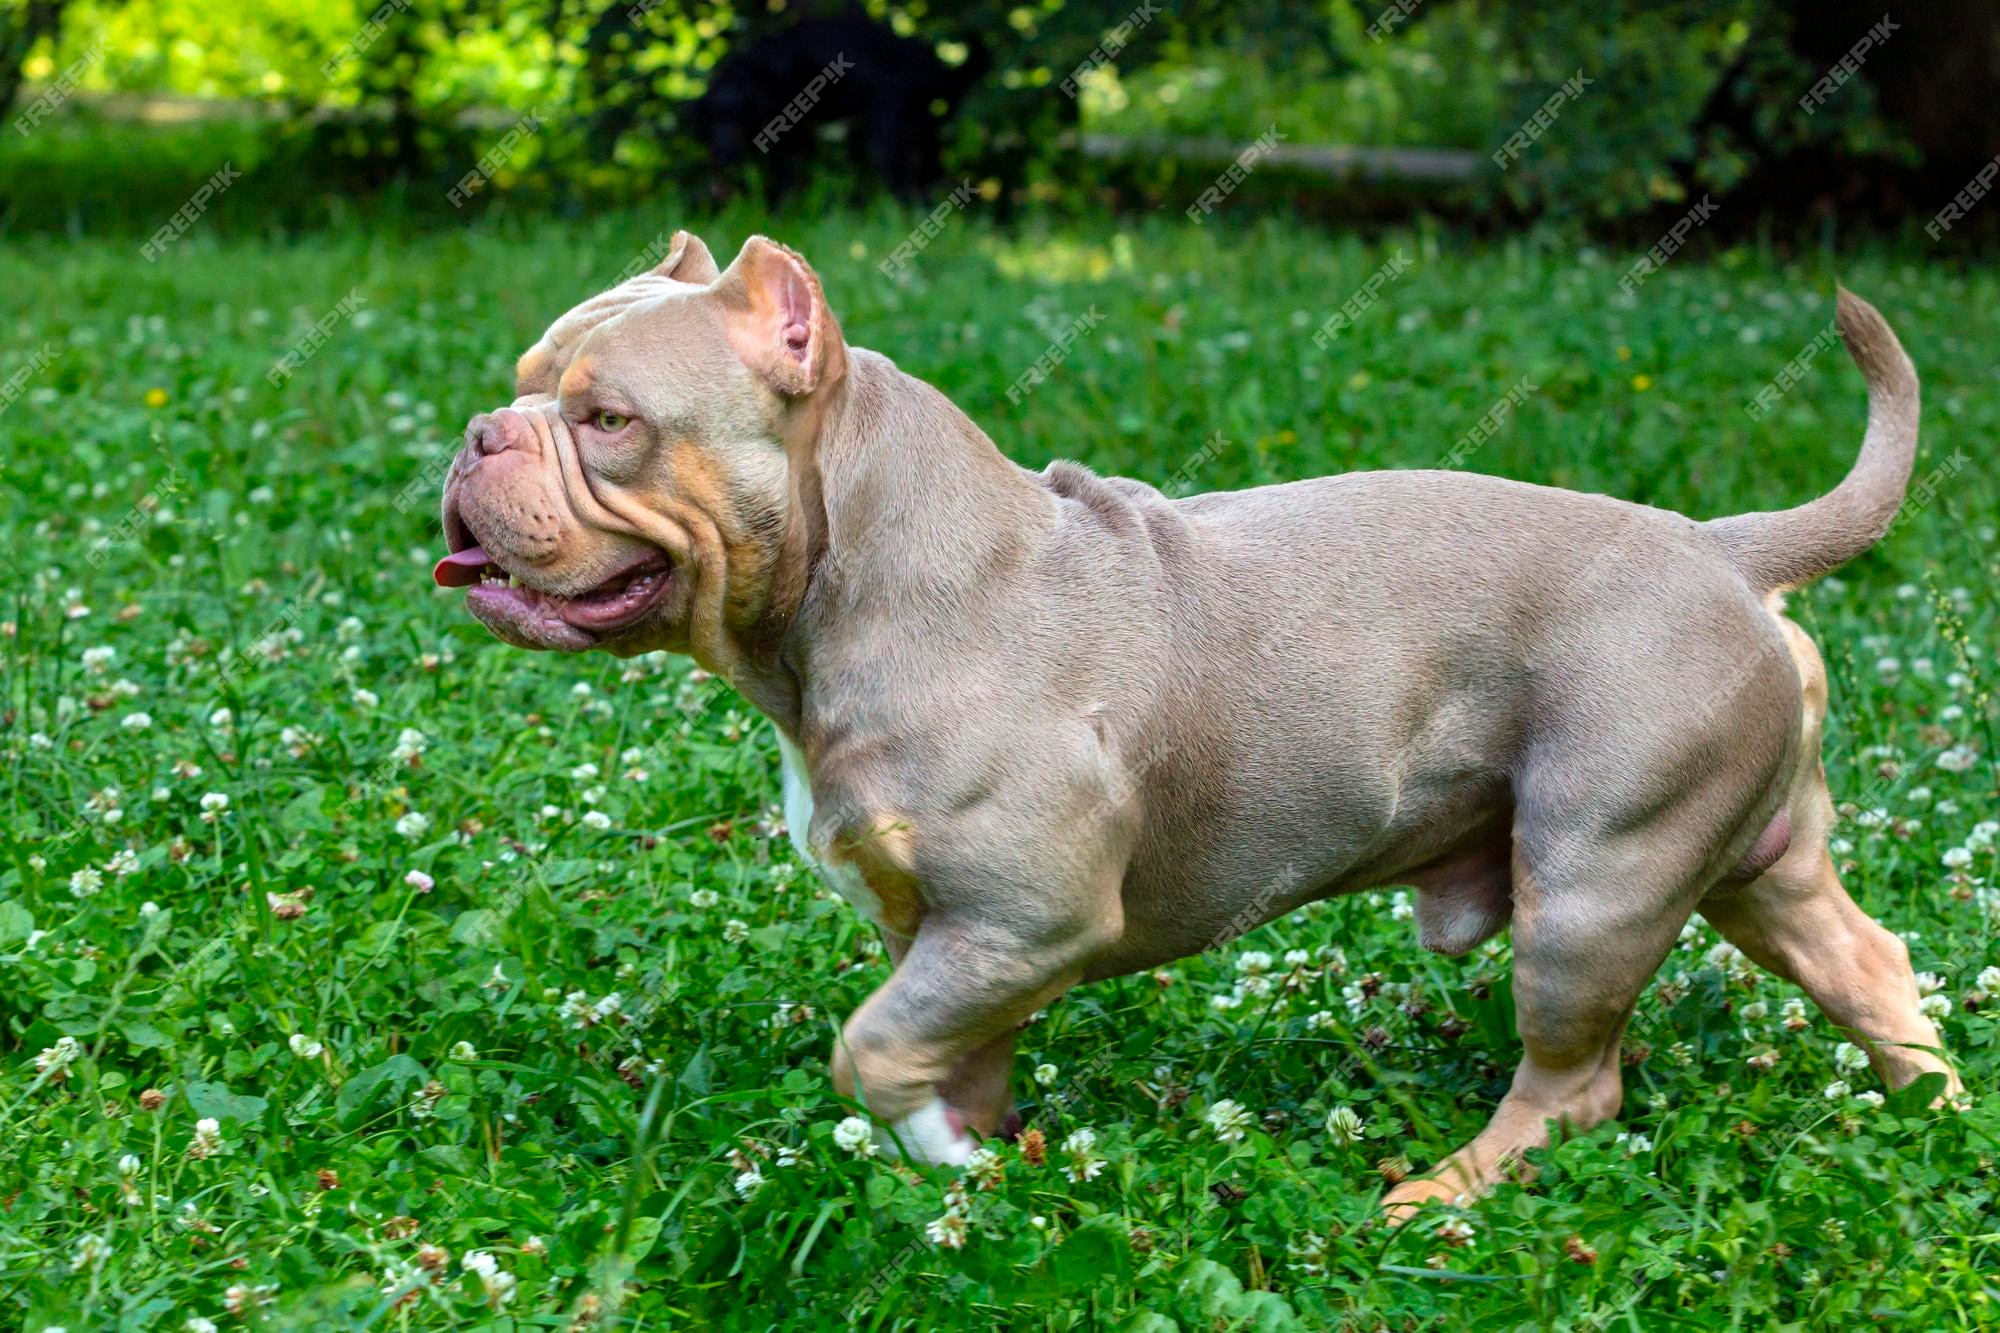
<point x="1582" y="953"/>
<point x="1796" y="920"/>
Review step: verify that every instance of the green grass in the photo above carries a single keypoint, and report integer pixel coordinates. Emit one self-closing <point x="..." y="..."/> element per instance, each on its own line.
<point x="453" y="1085"/>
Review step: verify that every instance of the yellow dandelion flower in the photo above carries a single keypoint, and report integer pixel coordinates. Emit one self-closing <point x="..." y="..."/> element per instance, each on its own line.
<point x="156" y="397"/>
<point x="1624" y="353"/>
<point x="1642" y="382"/>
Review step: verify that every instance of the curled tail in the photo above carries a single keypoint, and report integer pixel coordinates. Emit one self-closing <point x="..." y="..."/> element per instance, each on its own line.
<point x="1785" y="547"/>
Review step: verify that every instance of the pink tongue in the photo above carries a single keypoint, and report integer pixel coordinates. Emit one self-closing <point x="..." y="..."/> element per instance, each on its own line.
<point x="461" y="569"/>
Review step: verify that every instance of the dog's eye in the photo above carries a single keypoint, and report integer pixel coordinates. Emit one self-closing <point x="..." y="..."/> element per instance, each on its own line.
<point x="609" y="422"/>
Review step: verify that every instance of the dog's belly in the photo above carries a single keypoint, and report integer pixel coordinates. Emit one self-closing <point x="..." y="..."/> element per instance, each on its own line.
<point x="1453" y="845"/>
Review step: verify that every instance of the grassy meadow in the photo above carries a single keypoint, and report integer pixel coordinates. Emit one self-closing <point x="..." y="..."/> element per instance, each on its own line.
<point x="358" y="971"/>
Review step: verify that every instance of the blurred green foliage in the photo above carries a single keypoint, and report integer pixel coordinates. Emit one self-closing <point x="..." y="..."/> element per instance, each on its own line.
<point x="1685" y="96"/>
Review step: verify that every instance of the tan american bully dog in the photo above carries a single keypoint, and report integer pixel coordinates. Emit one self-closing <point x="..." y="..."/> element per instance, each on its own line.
<point x="1050" y="727"/>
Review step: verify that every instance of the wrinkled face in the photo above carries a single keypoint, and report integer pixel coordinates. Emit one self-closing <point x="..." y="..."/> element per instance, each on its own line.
<point x="639" y="478"/>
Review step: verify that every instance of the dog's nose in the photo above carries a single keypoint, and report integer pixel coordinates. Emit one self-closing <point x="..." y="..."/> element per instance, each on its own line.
<point x="491" y="432"/>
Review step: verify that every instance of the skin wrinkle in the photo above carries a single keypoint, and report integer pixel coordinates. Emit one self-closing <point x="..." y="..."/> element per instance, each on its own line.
<point x="1107" y="729"/>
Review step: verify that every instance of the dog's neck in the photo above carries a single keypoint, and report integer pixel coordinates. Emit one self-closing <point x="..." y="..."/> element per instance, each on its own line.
<point x="896" y="499"/>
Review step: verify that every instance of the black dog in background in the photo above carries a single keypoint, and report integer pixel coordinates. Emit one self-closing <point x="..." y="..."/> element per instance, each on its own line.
<point x="767" y="101"/>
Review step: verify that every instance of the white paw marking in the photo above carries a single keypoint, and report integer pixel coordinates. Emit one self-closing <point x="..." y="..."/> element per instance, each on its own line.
<point x="927" y="1134"/>
<point x="843" y="880"/>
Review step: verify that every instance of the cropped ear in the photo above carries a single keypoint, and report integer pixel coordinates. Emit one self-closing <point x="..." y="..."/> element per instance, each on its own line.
<point x="688" y="260"/>
<point x="777" y="319"/>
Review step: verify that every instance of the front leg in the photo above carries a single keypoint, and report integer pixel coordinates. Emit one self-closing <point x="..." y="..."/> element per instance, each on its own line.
<point x="1006" y="893"/>
<point x="979" y="1087"/>
<point x="939" y="1023"/>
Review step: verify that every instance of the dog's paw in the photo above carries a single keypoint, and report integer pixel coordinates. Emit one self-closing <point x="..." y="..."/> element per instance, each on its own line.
<point x="1401" y="1204"/>
<point x="932" y="1133"/>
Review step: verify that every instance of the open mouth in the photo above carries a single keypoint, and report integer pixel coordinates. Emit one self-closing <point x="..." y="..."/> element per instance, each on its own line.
<point x="502" y="602"/>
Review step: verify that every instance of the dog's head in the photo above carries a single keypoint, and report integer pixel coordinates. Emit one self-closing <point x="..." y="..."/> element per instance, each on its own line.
<point x="638" y="491"/>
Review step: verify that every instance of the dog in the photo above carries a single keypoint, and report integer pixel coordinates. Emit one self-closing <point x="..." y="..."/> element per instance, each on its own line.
<point x="1045" y="728"/>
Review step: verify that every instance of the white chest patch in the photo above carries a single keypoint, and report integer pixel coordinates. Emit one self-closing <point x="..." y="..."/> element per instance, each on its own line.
<point x="843" y="880"/>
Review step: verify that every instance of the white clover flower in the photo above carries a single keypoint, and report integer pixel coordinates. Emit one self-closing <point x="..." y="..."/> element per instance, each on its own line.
<point x="419" y="881"/>
<point x="1343" y="1125"/>
<point x="123" y="862"/>
<point x="413" y="825"/>
<point x="222" y="719"/>
<point x="704" y="898"/>
<point x="749" y="1182"/>
<point x="366" y="699"/>
<point x="1046" y="1075"/>
<point x="1958" y="858"/>
<point x="1755" y="1012"/>
<point x="130" y="1165"/>
<point x="207" y="1140"/>
<point x="1253" y="962"/>
<point x="948" y="1231"/>
<point x="1081" y="1149"/>
<point x="55" y="1060"/>
<point x="584" y="772"/>
<point x="1869" y="1098"/>
<point x="1455" y="1231"/>
<point x="196" y="1324"/>
<point x="498" y="1284"/>
<point x="214" y="802"/>
<point x="596" y="819"/>
<point x="1989" y="979"/>
<point x="464" y="1050"/>
<point x="984" y="1167"/>
<point x="735" y="931"/>
<point x="306" y="1048"/>
<point x="95" y="660"/>
<point x="1297" y="957"/>
<point x="1635" y="1145"/>
<point x="1836" y="1090"/>
<point x="1320" y="1020"/>
<point x="1849" y="1057"/>
<point x="136" y="721"/>
<point x="1935" y="1006"/>
<point x="856" y="1136"/>
<point x="1230" y="1121"/>
<point x="91" y="1251"/>
<point x="410" y="743"/>
<point x="85" y="882"/>
<point x="1958" y="759"/>
<point x="1223" y="1003"/>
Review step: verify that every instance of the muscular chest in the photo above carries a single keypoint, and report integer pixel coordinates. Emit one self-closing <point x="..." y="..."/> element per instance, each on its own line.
<point x="867" y="871"/>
